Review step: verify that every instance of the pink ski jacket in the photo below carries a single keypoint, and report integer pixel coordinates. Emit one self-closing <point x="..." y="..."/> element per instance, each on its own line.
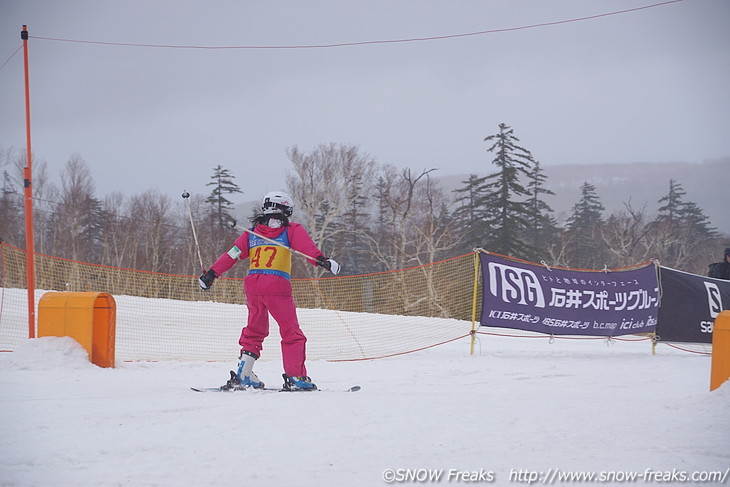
<point x="259" y="280"/>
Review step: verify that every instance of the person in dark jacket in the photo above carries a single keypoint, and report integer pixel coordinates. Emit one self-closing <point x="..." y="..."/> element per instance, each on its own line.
<point x="721" y="270"/>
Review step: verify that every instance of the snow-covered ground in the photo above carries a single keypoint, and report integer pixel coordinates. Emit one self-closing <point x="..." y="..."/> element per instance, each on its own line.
<point x="515" y="409"/>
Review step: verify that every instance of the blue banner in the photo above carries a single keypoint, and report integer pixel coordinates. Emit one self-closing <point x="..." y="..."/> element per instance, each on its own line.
<point x="690" y="304"/>
<point x="568" y="302"/>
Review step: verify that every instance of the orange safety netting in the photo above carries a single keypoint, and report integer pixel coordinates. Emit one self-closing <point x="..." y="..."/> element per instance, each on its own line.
<point x="168" y="317"/>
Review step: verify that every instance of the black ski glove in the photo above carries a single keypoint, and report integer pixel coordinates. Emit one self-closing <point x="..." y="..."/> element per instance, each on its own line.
<point x="206" y="280"/>
<point x="329" y="264"/>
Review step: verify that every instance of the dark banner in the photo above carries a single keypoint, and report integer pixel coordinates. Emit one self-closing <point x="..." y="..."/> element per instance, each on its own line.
<point x="566" y="302"/>
<point x="689" y="306"/>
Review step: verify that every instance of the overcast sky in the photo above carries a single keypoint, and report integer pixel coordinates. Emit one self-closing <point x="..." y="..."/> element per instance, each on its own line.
<point x="644" y="86"/>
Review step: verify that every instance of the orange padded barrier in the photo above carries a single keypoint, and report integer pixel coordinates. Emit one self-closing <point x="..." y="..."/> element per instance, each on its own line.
<point x="87" y="317"/>
<point x="720" y="350"/>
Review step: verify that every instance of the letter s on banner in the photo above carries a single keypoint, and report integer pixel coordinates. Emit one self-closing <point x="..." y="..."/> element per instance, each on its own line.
<point x="714" y="299"/>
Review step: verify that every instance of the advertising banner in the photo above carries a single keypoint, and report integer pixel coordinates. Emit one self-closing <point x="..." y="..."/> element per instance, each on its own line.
<point x="568" y="302"/>
<point x="689" y="306"/>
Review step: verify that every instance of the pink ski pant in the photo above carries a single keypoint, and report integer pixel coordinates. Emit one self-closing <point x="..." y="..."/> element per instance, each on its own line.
<point x="283" y="310"/>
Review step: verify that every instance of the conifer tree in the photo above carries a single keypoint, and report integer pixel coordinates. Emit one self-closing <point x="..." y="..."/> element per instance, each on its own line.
<point x="223" y="184"/>
<point x="468" y="217"/>
<point x="677" y="212"/>
<point x="584" y="227"/>
<point x="681" y="230"/>
<point x="541" y="224"/>
<point x="671" y="210"/>
<point x="504" y="200"/>
<point x="697" y="224"/>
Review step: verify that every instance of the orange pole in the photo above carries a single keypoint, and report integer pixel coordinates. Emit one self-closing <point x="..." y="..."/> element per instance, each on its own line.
<point x="28" y="175"/>
<point x="720" y="367"/>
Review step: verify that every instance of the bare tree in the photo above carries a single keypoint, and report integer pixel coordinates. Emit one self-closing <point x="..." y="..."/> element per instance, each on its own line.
<point x="559" y="247"/>
<point x="327" y="185"/>
<point x="44" y="194"/>
<point x="118" y="233"/>
<point x="11" y="201"/>
<point x="414" y="229"/>
<point x="624" y="235"/>
<point x="400" y="201"/>
<point x="154" y="224"/>
<point x="435" y="236"/>
<point x="76" y="222"/>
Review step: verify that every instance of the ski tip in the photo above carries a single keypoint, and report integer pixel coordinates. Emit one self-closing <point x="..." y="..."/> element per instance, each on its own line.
<point x="353" y="389"/>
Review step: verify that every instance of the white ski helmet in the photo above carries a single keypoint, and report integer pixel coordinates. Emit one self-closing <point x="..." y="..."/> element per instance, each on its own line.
<point x="277" y="202"/>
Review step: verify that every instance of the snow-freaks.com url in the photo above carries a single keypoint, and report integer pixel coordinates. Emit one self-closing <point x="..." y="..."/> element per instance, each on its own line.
<point x="553" y="476"/>
<point x="556" y="476"/>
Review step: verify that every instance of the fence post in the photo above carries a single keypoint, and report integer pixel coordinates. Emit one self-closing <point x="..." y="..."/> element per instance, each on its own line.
<point x="474" y="303"/>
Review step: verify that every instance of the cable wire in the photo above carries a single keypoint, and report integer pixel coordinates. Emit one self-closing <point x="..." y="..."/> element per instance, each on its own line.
<point x="11" y="56"/>
<point x="364" y="43"/>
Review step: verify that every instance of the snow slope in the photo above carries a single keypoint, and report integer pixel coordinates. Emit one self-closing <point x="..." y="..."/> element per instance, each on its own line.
<point x="517" y="406"/>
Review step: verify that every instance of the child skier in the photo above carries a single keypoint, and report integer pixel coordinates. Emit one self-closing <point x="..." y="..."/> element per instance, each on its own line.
<point x="268" y="289"/>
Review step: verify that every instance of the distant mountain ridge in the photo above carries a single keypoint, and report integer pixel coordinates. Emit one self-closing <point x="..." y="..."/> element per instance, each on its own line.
<point x="640" y="183"/>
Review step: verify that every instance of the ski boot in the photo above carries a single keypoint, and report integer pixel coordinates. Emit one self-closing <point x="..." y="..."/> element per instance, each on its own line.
<point x="245" y="376"/>
<point x="245" y="370"/>
<point x="302" y="383"/>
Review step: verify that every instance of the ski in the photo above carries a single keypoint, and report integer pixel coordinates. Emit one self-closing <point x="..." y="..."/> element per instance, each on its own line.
<point x="269" y="389"/>
<point x="234" y="384"/>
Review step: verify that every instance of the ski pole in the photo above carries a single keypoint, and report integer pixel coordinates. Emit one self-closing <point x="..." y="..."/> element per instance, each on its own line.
<point x="185" y="196"/>
<point x="235" y="226"/>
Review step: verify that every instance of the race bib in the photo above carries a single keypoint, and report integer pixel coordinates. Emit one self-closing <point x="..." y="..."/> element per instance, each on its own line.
<point x="268" y="258"/>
